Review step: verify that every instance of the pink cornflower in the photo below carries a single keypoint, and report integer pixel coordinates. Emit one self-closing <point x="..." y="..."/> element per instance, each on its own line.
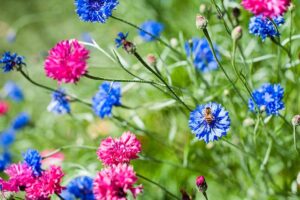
<point x="267" y="8"/>
<point x="119" y="150"/>
<point x="47" y="184"/>
<point x="3" y="108"/>
<point x="20" y="177"/>
<point x="115" y="182"/>
<point x="66" y="62"/>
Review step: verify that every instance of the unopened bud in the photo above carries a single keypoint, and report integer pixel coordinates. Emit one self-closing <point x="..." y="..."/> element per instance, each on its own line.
<point x="151" y="59"/>
<point x="129" y="47"/>
<point x="248" y="122"/>
<point x="296" y="120"/>
<point x="262" y="108"/>
<point x="174" y="42"/>
<point x="237" y="33"/>
<point x="292" y="7"/>
<point x="201" y="22"/>
<point x="236" y="12"/>
<point x="201" y="184"/>
<point x="202" y="8"/>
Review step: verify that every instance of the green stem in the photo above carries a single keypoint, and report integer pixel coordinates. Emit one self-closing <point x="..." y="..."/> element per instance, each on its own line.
<point x="295" y="139"/>
<point x="158" y="185"/>
<point x="220" y="65"/>
<point x="205" y="195"/>
<point x="69" y="147"/>
<point x="150" y="34"/>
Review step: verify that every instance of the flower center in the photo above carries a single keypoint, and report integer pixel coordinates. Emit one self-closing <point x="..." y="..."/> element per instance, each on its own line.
<point x="96" y="4"/>
<point x="121" y="193"/>
<point x="208" y="115"/>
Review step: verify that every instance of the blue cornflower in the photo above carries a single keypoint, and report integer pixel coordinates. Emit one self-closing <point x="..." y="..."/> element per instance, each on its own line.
<point x="59" y="103"/>
<point x="7" y="137"/>
<point x="153" y="27"/>
<point x="33" y="159"/>
<point x="13" y="91"/>
<point x="9" y="61"/>
<point x="109" y="95"/>
<point x="263" y="27"/>
<point x="20" y="121"/>
<point x="120" y="39"/>
<point x="203" y="57"/>
<point x="209" y="122"/>
<point x="268" y="98"/>
<point x="82" y="188"/>
<point x="95" y="10"/>
<point x="5" y="160"/>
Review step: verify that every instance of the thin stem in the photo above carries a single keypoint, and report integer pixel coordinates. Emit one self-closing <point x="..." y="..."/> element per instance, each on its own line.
<point x="295" y="139"/>
<point x="158" y="185"/>
<point x="161" y="79"/>
<point x="282" y="47"/>
<point x="220" y="65"/>
<point x="69" y="147"/>
<point x="205" y="195"/>
<point x="150" y="34"/>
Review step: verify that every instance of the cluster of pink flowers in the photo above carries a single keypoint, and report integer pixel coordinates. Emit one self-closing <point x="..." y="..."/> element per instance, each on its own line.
<point x="3" y="108"/>
<point x="119" y="150"/>
<point x="67" y="61"/>
<point x="21" y="178"/>
<point x="267" y="8"/>
<point x="118" y="177"/>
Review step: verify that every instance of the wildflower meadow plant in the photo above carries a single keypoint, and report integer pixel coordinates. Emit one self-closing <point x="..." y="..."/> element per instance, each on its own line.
<point x="141" y="109"/>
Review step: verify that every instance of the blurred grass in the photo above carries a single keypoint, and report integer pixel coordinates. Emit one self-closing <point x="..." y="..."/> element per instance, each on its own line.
<point x="230" y="173"/>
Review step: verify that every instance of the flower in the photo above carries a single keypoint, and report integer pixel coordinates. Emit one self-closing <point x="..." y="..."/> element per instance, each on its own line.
<point x="109" y="95"/>
<point x="209" y="122"/>
<point x="20" y="177"/>
<point x="152" y="27"/>
<point x="263" y="27"/>
<point x="119" y="150"/>
<point x="20" y="121"/>
<point x="34" y="160"/>
<point x="59" y="103"/>
<point x="46" y="184"/>
<point x="67" y="61"/>
<point x="3" y="108"/>
<point x="82" y="188"/>
<point x="5" y="160"/>
<point x="13" y="91"/>
<point x="121" y="39"/>
<point x="115" y="182"/>
<point x="202" y="56"/>
<point x="10" y="61"/>
<point x="95" y="10"/>
<point x="7" y="137"/>
<point x="266" y="8"/>
<point x="201" y="184"/>
<point x="268" y="98"/>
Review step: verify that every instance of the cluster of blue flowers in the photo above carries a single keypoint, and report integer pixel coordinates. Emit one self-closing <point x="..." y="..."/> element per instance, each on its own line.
<point x="95" y="10"/>
<point x="152" y="27"/>
<point x="209" y="122"/>
<point x="11" y="60"/>
<point x="59" y="103"/>
<point x="33" y="159"/>
<point x="79" y="188"/>
<point x="268" y="98"/>
<point x="109" y="95"/>
<point x="202" y="56"/>
<point x="263" y="27"/>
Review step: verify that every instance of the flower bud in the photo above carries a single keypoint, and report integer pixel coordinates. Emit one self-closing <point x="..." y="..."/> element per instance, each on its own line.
<point x="292" y="7"/>
<point x="174" y="42"/>
<point x="248" y="122"/>
<point x="236" y="12"/>
<point x="201" y="22"/>
<point x="151" y="59"/>
<point x="296" y="120"/>
<point x="201" y="184"/>
<point x="202" y="8"/>
<point x="237" y="33"/>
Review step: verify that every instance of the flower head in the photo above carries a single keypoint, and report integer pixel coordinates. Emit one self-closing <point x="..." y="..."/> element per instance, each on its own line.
<point x="201" y="184"/>
<point x="13" y="91"/>
<point x="10" y="61"/>
<point x="268" y="98"/>
<point x="209" y="122"/>
<point x="119" y="150"/>
<point x="95" y="10"/>
<point x="3" y="107"/>
<point x="296" y="120"/>
<point x="152" y="27"/>
<point x="203" y="57"/>
<point x="67" y="61"/>
<point x="263" y="27"/>
<point x="266" y="8"/>
<point x="5" y="160"/>
<point x="34" y="160"/>
<point x="20" y="121"/>
<point x="46" y="184"/>
<point x="121" y="39"/>
<point x="59" y="103"/>
<point x="109" y="95"/>
<point x="81" y="187"/>
<point x="7" y="137"/>
<point x="115" y="182"/>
